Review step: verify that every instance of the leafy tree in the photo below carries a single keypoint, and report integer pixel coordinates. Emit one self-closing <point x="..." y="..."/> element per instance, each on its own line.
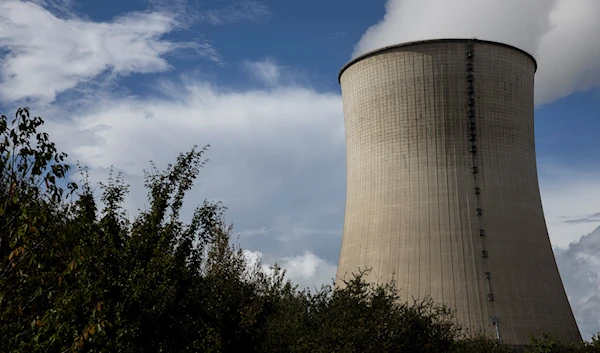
<point x="30" y="213"/>
<point x="359" y="317"/>
<point x="479" y="343"/>
<point x="76" y="277"/>
<point x="549" y="343"/>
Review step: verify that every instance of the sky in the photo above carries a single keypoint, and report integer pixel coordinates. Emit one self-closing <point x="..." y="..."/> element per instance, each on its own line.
<point x="120" y="83"/>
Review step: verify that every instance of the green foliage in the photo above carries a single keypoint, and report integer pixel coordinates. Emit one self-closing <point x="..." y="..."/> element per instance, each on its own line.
<point x="358" y="318"/>
<point x="478" y="344"/>
<point x="76" y="276"/>
<point x="552" y="344"/>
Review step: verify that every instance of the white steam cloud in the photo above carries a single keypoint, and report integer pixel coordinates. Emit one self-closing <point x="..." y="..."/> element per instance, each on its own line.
<point x="563" y="35"/>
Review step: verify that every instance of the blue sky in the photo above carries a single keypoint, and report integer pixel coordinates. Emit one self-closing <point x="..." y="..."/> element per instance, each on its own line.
<point x="124" y="82"/>
<point x="292" y="33"/>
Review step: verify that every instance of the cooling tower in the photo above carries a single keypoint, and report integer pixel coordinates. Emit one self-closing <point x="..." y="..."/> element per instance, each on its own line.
<point x="442" y="191"/>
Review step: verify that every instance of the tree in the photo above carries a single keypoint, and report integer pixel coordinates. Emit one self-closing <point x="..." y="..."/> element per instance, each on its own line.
<point x="359" y="317"/>
<point x="78" y="278"/>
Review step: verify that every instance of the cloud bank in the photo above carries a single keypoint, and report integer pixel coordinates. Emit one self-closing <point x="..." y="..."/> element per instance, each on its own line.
<point x="43" y="55"/>
<point x="276" y="156"/>
<point x="570" y="198"/>
<point x="561" y="34"/>
<point x="579" y="264"/>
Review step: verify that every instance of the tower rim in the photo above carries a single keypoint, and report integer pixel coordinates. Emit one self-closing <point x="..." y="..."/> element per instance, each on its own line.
<point x="427" y="41"/>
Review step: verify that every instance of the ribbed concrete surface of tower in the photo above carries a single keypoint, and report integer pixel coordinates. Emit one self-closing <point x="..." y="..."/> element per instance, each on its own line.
<point x="442" y="189"/>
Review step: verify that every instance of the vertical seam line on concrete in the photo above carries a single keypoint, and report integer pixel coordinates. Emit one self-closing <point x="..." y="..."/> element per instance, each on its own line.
<point x="437" y="175"/>
<point x="341" y="260"/>
<point x="402" y="251"/>
<point x="391" y="175"/>
<point x="427" y="169"/>
<point x="444" y="144"/>
<point x="364" y="169"/>
<point x="416" y="118"/>
<point x="380" y="183"/>
<point x="407" y="238"/>
<point x="448" y="177"/>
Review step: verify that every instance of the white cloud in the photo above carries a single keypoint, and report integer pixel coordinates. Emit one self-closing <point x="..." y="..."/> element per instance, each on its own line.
<point x="579" y="264"/>
<point x="309" y="270"/>
<point x="46" y="55"/>
<point x="569" y="54"/>
<point x="254" y="11"/>
<point x="265" y="70"/>
<point x="274" y="75"/>
<point x="569" y="194"/>
<point x="508" y="21"/>
<point x="306" y="270"/>
<point x="274" y="124"/>
<point x="275" y="154"/>
<point x="562" y="34"/>
<point x="570" y="198"/>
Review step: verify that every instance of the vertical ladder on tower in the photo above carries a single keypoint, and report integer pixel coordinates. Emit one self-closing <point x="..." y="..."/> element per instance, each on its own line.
<point x="475" y="165"/>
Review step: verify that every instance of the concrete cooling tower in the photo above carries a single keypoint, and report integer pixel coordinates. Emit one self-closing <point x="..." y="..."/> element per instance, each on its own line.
<point x="442" y="191"/>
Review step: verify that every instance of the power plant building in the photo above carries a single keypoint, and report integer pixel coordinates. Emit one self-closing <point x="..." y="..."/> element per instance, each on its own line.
<point x="442" y="188"/>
